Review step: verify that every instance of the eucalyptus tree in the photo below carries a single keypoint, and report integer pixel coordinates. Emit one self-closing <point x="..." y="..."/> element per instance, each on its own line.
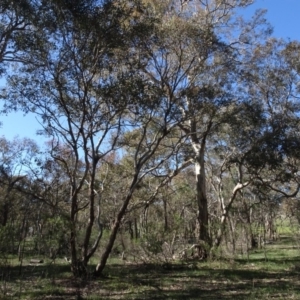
<point x="83" y="81"/>
<point x="222" y="73"/>
<point x="146" y="152"/>
<point x="73" y="76"/>
<point x="262" y="153"/>
<point x="200" y="50"/>
<point x="17" y="159"/>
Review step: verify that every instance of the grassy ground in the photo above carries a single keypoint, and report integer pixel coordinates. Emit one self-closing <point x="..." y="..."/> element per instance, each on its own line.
<point x="270" y="273"/>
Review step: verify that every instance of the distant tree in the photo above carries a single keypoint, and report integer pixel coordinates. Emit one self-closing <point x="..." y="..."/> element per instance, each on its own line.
<point x="17" y="160"/>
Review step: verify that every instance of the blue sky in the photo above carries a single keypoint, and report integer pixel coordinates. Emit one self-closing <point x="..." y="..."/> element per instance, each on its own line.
<point x="283" y="15"/>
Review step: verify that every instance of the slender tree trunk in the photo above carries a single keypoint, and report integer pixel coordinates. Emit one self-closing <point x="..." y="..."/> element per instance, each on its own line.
<point x="221" y="230"/>
<point x="166" y="224"/>
<point x="130" y="229"/>
<point x="232" y="232"/>
<point x="253" y="242"/>
<point x="144" y="220"/>
<point x="74" y="261"/>
<point x="225" y="212"/>
<point x="136" y="229"/>
<point x="22" y="238"/>
<point x="113" y="235"/>
<point x="85" y="247"/>
<point x="202" y="198"/>
<point x="117" y="223"/>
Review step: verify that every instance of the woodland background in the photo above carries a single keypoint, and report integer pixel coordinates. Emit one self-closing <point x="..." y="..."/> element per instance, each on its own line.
<point x="172" y="131"/>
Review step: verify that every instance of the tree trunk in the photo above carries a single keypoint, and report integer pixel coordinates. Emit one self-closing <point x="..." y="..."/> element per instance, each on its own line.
<point x="136" y="229"/>
<point x="199" y="150"/>
<point x="202" y="198"/>
<point x="225" y="212"/>
<point x="130" y="229"/>
<point x="253" y="241"/>
<point x="74" y="261"/>
<point x="166" y="224"/>
<point x="117" y="223"/>
<point x="232" y="233"/>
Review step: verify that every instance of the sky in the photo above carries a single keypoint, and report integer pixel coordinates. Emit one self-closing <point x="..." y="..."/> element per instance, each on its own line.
<point x="283" y="15"/>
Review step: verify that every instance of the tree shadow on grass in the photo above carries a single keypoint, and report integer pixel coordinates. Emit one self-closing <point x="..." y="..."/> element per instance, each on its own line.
<point x="43" y="270"/>
<point x="170" y="281"/>
<point x="150" y="282"/>
<point x="281" y="260"/>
